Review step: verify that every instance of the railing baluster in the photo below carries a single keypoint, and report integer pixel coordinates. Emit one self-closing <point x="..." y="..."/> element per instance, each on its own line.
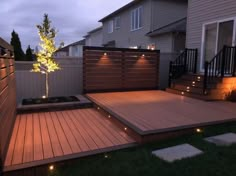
<point x="234" y="62"/>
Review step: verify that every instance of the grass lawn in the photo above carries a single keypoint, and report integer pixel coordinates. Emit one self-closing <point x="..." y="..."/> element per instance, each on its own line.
<point x="138" y="161"/>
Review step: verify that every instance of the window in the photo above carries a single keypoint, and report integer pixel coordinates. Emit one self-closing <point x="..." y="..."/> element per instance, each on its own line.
<point x="136" y="18"/>
<point x="110" y="26"/>
<point x="117" y="22"/>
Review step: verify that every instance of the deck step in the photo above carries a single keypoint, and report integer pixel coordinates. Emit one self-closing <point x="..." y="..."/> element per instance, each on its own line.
<point x="201" y="96"/>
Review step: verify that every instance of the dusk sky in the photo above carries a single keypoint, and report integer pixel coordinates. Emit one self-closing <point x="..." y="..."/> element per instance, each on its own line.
<point x="72" y="18"/>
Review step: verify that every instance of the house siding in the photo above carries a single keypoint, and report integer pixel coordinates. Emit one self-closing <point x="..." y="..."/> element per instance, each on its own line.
<point x="167" y="11"/>
<point x="95" y="39"/>
<point x="204" y="11"/>
<point x="156" y="14"/>
<point x="123" y="36"/>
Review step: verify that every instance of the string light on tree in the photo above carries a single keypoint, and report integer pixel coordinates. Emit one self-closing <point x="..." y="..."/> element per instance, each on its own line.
<point x="45" y="63"/>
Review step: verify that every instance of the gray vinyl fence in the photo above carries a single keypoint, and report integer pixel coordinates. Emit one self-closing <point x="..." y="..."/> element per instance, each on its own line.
<point x="65" y="82"/>
<point x="69" y="80"/>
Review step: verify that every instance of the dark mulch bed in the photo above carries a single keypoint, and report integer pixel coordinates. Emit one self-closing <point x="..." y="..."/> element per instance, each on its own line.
<point x="34" y="101"/>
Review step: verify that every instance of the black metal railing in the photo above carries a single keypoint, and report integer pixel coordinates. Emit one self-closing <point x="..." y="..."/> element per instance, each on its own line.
<point x="223" y="64"/>
<point x="186" y="62"/>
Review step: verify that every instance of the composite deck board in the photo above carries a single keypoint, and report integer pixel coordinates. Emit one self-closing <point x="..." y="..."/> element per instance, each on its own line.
<point x="38" y="145"/>
<point x="11" y="147"/>
<point x="48" y="137"/>
<point x="28" y="145"/>
<point x="47" y="146"/>
<point x="155" y="111"/>
<point x="19" y="145"/>
<point x="56" y="146"/>
<point x="66" y="148"/>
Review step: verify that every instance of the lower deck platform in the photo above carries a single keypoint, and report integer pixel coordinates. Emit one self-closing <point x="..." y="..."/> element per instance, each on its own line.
<point x="48" y="137"/>
<point x="151" y="112"/>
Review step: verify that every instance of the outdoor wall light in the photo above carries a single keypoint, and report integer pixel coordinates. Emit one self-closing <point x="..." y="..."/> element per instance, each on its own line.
<point x="198" y="130"/>
<point x="51" y="167"/>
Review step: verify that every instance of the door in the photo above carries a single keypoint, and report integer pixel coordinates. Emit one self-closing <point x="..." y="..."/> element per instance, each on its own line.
<point x="217" y="35"/>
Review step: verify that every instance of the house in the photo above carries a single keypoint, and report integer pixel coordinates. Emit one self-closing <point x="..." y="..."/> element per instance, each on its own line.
<point x="5" y="47"/>
<point x="210" y="27"/>
<point x="72" y="50"/>
<point x="94" y="37"/>
<point x="211" y="53"/>
<point x="147" y="24"/>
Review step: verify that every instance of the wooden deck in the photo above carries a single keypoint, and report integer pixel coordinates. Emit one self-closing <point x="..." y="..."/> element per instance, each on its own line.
<point x="47" y="137"/>
<point x="151" y="112"/>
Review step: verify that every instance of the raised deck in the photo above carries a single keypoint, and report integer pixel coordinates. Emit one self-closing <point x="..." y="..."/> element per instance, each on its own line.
<point x="153" y="112"/>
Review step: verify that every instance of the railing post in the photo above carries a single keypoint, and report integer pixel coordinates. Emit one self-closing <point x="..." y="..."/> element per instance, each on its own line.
<point x="234" y="66"/>
<point x="223" y="62"/>
<point x="195" y="61"/>
<point x="205" y="77"/>
<point x="170" y="73"/>
<point x="185" y="60"/>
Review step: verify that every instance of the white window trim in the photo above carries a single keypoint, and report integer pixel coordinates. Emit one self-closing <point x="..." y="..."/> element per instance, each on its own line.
<point x="139" y="20"/>
<point x="204" y="36"/>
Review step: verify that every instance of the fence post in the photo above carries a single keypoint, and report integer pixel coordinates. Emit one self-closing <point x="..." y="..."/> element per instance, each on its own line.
<point x="205" y="77"/>
<point x="195" y="62"/>
<point x="234" y="66"/>
<point x="223" y="62"/>
<point x="170" y="72"/>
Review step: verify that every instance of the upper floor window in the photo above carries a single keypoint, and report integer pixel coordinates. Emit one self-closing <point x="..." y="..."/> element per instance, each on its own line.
<point x="117" y="23"/>
<point x="136" y="18"/>
<point x="110" y="26"/>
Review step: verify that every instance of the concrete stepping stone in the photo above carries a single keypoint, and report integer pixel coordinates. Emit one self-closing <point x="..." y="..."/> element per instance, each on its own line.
<point x="223" y="140"/>
<point x="178" y="152"/>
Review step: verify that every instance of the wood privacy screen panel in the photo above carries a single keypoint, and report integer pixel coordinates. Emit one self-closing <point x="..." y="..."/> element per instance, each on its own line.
<point x="119" y="69"/>
<point x="7" y="102"/>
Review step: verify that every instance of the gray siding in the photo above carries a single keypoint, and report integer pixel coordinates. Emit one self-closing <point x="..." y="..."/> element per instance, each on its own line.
<point x="168" y="11"/>
<point x="124" y="37"/>
<point x="164" y="42"/>
<point x="203" y="11"/>
<point x="94" y="39"/>
<point x="156" y="13"/>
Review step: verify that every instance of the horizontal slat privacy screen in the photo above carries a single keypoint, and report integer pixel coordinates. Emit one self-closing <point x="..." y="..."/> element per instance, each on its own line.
<point x="7" y="102"/>
<point x="119" y="69"/>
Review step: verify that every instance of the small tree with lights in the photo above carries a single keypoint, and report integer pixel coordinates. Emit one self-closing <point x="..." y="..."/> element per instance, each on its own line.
<point x="45" y="63"/>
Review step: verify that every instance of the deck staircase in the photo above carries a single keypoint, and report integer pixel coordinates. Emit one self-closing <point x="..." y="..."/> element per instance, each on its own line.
<point x="216" y="83"/>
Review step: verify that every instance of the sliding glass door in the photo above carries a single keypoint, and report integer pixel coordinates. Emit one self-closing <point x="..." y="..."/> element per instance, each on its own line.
<point x="216" y="35"/>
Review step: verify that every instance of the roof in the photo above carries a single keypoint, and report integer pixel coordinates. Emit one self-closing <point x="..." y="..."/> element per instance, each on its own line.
<point x="5" y="45"/>
<point x="66" y="48"/>
<point x="93" y="31"/>
<point x="177" y="26"/>
<point x="121" y="9"/>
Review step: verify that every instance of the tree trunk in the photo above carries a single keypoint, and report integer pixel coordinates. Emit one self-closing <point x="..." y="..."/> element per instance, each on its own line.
<point x="47" y="87"/>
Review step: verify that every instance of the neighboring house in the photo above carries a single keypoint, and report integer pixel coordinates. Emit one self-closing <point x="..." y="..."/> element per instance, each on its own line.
<point x="71" y="50"/>
<point x="5" y="47"/>
<point x="148" y="24"/>
<point x="94" y="37"/>
<point x="211" y="24"/>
